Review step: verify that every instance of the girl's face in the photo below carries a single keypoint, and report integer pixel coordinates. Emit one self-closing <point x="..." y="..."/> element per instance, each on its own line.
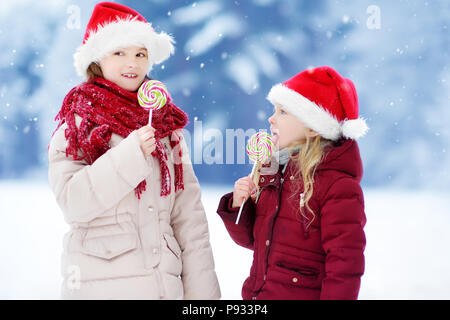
<point x="126" y="67"/>
<point x="287" y="129"/>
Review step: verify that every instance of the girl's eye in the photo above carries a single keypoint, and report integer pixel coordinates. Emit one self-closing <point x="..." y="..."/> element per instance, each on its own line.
<point x="118" y="53"/>
<point x="140" y="54"/>
<point x="282" y="111"/>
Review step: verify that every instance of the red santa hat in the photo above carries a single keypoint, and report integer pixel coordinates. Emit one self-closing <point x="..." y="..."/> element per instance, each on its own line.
<point x="324" y="101"/>
<point x="113" y="26"/>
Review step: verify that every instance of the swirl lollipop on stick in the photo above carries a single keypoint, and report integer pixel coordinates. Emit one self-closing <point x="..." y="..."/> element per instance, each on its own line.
<point x="259" y="149"/>
<point x="152" y="95"/>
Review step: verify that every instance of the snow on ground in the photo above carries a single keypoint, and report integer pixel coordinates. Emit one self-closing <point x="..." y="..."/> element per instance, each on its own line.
<point x="406" y="256"/>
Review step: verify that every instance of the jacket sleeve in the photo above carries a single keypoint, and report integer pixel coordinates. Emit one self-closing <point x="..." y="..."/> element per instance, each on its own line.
<point x="84" y="191"/>
<point x="241" y="233"/>
<point x="188" y="220"/>
<point x="343" y="240"/>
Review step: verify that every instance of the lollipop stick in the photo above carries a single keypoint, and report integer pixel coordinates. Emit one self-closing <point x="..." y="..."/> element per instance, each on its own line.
<point x="254" y="169"/>
<point x="242" y="205"/>
<point x="240" y="211"/>
<point x="150" y="117"/>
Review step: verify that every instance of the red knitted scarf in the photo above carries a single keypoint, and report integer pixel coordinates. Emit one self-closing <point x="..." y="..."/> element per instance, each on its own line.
<point x="106" y="108"/>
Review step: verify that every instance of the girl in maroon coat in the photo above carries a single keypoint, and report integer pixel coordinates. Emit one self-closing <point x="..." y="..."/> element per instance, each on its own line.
<point x="304" y="220"/>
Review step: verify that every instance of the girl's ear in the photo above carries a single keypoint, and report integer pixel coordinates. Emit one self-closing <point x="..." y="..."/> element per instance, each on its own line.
<point x="312" y="133"/>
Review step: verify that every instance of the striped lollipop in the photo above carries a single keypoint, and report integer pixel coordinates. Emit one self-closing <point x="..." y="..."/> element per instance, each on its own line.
<point x="152" y="95"/>
<point x="259" y="149"/>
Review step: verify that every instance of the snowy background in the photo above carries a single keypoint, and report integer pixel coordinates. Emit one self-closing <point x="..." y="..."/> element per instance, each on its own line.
<point x="229" y="54"/>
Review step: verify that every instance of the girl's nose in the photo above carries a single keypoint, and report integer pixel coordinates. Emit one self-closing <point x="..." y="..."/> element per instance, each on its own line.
<point x="131" y="63"/>
<point x="271" y="119"/>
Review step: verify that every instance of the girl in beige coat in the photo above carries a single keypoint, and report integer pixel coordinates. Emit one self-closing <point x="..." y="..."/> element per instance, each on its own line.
<point x="138" y="229"/>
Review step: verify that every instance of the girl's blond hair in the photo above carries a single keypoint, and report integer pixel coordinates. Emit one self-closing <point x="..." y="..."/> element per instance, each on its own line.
<point x="307" y="159"/>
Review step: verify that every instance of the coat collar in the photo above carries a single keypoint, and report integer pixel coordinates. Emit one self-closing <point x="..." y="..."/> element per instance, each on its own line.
<point x="275" y="180"/>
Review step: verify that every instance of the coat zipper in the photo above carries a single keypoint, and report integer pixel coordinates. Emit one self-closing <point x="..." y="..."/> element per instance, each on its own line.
<point x="268" y="249"/>
<point x="272" y="224"/>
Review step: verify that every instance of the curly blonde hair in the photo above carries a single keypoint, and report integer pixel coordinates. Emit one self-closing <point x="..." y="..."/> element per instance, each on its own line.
<point x="307" y="159"/>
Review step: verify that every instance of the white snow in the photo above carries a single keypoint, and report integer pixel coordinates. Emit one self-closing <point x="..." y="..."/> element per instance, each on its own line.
<point x="214" y="31"/>
<point x="190" y="15"/>
<point x="267" y="62"/>
<point x="244" y="72"/>
<point x="406" y="255"/>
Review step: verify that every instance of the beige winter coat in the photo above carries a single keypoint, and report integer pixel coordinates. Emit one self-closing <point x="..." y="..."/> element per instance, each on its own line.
<point x="119" y="247"/>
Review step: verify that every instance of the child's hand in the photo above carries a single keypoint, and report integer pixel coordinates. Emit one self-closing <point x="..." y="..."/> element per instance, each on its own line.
<point x="146" y="136"/>
<point x="243" y="188"/>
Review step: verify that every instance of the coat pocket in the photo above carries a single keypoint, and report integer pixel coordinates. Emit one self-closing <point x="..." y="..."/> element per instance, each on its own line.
<point x="307" y="277"/>
<point x="173" y="245"/>
<point x="110" y="241"/>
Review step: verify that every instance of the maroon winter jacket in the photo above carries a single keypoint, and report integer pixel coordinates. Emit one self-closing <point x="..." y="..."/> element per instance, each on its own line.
<point x="290" y="260"/>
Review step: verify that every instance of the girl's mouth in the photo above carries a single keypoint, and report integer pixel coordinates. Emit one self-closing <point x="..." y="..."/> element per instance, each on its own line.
<point x="275" y="136"/>
<point x="129" y="75"/>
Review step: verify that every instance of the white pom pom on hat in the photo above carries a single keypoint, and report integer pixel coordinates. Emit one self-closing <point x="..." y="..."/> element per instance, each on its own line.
<point x="324" y="101"/>
<point x="354" y="129"/>
<point x="113" y="26"/>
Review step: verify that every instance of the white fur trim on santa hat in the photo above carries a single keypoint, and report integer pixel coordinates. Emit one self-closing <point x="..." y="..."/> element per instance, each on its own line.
<point x="309" y="113"/>
<point x="121" y="34"/>
<point x="354" y="129"/>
